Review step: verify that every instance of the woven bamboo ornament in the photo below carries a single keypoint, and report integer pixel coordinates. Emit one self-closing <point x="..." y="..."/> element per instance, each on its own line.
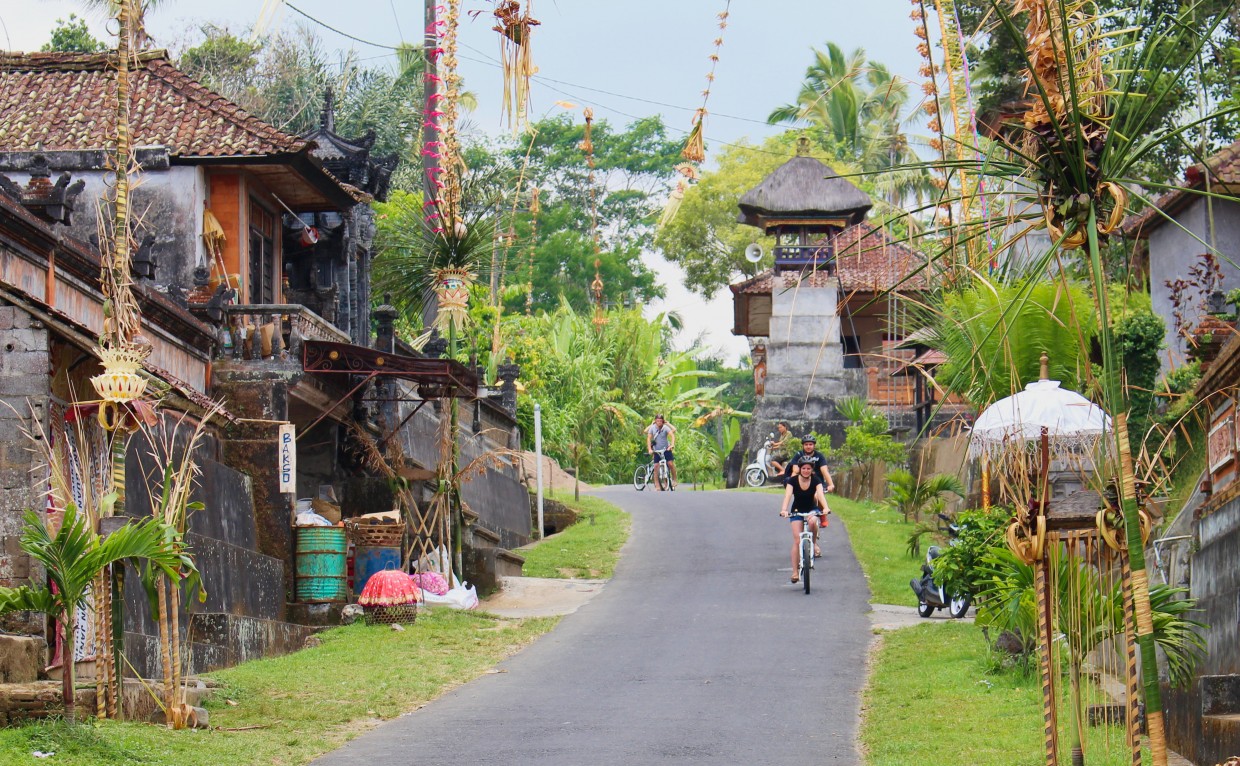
<point x="452" y="290"/>
<point x="695" y="144"/>
<point x="515" y="28"/>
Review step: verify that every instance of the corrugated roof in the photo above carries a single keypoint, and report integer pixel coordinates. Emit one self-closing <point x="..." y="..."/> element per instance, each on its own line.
<point x="867" y="260"/>
<point x="66" y="101"/>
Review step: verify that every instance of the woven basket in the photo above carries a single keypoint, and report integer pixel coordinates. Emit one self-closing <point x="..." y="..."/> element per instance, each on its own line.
<point x="404" y="614"/>
<point x="376" y="535"/>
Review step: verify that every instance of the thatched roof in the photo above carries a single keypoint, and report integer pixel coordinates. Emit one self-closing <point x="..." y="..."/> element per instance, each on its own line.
<point x="803" y="187"/>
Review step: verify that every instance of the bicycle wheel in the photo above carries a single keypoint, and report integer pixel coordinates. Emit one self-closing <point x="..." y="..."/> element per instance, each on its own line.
<point x="807" y="562"/>
<point x="641" y="475"/>
<point x="663" y="480"/>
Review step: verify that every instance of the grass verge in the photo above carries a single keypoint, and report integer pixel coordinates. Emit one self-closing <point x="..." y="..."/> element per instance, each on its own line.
<point x="288" y="710"/>
<point x="932" y="700"/>
<point x="879" y="539"/>
<point x="589" y="548"/>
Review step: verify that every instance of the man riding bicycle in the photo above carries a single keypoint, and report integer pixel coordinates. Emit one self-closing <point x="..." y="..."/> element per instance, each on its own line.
<point x="661" y="437"/>
<point x="804" y="493"/>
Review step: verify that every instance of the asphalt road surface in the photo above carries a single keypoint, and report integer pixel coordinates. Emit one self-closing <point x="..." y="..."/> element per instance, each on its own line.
<point x="699" y="651"/>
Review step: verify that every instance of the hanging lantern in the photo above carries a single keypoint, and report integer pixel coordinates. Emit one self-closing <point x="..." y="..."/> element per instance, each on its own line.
<point x="390" y="596"/>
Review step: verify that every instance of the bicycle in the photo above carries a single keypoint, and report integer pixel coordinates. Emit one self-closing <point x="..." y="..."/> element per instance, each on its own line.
<point x="643" y="472"/>
<point x="805" y="546"/>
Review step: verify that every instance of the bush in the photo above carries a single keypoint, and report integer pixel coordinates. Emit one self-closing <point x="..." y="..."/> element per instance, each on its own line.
<point x="959" y="569"/>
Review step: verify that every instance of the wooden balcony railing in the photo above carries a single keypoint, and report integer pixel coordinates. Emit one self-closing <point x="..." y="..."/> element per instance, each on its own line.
<point x="273" y="331"/>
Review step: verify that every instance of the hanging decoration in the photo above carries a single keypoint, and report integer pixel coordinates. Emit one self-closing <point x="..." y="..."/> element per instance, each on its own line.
<point x="120" y="382"/>
<point x="695" y="145"/>
<point x="596" y="287"/>
<point x="432" y="130"/>
<point x="535" y="209"/>
<point x="452" y="290"/>
<point x="596" y="290"/>
<point x="515" y="28"/>
<point x="688" y="176"/>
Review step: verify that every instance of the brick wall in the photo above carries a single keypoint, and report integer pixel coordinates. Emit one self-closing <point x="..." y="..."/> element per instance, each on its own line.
<point x="24" y="385"/>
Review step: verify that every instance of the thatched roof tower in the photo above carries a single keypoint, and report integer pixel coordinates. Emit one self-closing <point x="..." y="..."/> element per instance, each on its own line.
<point x="800" y="191"/>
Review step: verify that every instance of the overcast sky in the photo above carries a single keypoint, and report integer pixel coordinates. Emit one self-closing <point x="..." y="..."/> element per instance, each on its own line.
<point x="625" y="59"/>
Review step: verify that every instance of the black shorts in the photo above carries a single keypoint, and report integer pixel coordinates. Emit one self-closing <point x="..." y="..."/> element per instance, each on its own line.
<point x="667" y="455"/>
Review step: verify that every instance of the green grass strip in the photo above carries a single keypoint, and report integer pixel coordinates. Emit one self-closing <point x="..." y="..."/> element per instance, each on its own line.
<point x="934" y="699"/>
<point x="288" y="710"/>
<point x="589" y="548"/>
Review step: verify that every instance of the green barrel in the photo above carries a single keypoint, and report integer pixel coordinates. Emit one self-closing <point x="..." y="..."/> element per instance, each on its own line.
<point x="320" y="569"/>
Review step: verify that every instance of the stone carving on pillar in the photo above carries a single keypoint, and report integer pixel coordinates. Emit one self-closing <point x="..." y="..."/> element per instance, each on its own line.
<point x="435" y="347"/>
<point x="385" y="325"/>
<point x="508" y="374"/>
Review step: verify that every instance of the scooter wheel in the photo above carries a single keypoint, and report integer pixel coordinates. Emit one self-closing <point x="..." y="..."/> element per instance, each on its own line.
<point x="959" y="606"/>
<point x="755" y="477"/>
<point x="924" y="609"/>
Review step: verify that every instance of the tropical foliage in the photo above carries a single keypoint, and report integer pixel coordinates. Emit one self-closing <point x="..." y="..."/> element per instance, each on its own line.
<point x="911" y="496"/>
<point x="73" y="555"/>
<point x="599" y="386"/>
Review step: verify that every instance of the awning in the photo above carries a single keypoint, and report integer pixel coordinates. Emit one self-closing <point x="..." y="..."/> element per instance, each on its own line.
<point x="435" y="378"/>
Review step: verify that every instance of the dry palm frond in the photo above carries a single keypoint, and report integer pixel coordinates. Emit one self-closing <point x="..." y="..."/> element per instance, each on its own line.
<point x="515" y="28"/>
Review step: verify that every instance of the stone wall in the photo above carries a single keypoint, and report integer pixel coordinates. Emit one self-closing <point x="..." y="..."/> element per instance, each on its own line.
<point x="24" y="386"/>
<point x="1203" y="721"/>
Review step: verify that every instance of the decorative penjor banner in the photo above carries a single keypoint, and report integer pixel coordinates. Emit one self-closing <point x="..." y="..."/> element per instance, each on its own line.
<point x="287" y="450"/>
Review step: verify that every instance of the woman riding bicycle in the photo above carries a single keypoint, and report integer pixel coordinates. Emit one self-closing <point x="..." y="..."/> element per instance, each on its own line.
<point x="804" y="493"/>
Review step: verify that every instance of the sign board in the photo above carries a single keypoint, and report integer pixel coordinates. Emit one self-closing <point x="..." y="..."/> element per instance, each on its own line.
<point x="1222" y="439"/>
<point x="287" y="451"/>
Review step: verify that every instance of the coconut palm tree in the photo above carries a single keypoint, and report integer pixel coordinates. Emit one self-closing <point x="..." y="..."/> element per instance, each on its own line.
<point x="73" y="557"/>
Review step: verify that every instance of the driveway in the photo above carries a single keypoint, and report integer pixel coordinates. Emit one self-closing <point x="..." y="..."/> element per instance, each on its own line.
<point x="697" y="652"/>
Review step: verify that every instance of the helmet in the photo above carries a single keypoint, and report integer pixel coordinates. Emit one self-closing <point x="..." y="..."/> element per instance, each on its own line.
<point x="809" y="438"/>
<point x="805" y="460"/>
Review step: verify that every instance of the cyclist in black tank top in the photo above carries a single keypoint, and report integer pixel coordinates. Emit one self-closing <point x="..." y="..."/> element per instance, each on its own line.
<point x="804" y="492"/>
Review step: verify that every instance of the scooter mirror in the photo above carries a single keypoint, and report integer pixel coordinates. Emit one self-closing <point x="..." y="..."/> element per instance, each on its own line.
<point x="770" y="436"/>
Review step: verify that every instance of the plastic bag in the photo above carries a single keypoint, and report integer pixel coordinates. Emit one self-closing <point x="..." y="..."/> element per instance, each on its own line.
<point x="312" y="519"/>
<point x="431" y="582"/>
<point x="464" y="596"/>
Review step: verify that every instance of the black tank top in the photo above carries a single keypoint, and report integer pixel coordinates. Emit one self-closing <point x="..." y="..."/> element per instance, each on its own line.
<point x="803" y="499"/>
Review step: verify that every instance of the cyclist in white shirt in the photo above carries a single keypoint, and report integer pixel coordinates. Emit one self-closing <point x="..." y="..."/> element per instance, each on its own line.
<point x="661" y="437"/>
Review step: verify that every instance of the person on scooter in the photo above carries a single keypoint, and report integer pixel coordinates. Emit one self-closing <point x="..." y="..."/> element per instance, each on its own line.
<point x="803" y="493"/>
<point x="779" y="448"/>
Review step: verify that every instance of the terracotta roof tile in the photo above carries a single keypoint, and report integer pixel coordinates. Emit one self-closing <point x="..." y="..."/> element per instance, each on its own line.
<point x="867" y="260"/>
<point x="1224" y="171"/>
<point x="65" y="101"/>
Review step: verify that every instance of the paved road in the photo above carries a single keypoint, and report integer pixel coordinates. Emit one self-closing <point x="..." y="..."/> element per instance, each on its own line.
<point x="692" y="654"/>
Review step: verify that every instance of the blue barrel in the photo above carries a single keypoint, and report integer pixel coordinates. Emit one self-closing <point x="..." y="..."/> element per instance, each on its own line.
<point x="320" y="567"/>
<point x="370" y="559"/>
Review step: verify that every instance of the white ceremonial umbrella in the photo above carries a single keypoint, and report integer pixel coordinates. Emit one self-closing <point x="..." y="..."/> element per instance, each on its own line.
<point x="1071" y="423"/>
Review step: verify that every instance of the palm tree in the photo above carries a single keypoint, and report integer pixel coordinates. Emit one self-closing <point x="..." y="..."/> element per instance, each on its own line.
<point x="831" y="96"/>
<point x="860" y="105"/>
<point x="73" y="558"/>
<point x="910" y="495"/>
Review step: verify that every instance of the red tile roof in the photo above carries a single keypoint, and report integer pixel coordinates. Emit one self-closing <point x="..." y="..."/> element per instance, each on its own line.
<point x="867" y="260"/>
<point x="1224" y="176"/>
<point x="66" y="101"/>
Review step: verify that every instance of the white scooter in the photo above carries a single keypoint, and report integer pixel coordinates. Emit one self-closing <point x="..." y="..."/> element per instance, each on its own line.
<point x="759" y="471"/>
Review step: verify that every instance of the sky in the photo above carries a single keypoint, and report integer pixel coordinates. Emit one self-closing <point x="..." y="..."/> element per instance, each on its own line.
<point x="624" y="59"/>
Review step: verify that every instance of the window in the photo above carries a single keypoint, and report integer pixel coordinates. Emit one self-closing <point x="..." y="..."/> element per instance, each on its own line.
<point x="852" y="352"/>
<point x="262" y="255"/>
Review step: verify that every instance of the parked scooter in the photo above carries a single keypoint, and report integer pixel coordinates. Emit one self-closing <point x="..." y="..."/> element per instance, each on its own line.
<point x="759" y="471"/>
<point x="930" y="595"/>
